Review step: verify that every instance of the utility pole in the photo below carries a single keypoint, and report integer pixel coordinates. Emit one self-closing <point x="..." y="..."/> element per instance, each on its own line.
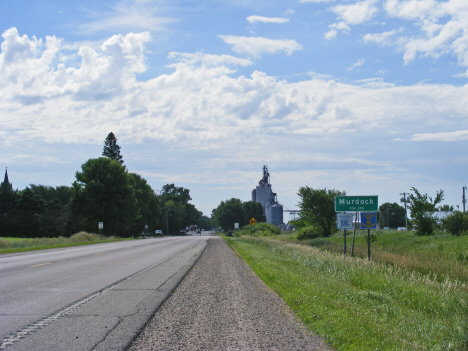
<point x="464" y="200"/>
<point x="403" y="199"/>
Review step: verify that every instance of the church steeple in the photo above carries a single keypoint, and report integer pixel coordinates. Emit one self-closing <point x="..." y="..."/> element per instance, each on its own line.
<point x="6" y="177"/>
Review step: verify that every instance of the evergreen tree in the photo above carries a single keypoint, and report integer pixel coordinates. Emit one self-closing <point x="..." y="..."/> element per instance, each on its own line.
<point x="111" y="149"/>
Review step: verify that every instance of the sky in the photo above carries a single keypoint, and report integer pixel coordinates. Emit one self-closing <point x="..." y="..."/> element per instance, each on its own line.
<point x="368" y="97"/>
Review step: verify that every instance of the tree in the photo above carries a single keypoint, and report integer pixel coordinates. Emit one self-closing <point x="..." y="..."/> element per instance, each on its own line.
<point x="177" y="212"/>
<point x="391" y="215"/>
<point x="103" y="193"/>
<point x="318" y="208"/>
<point x="456" y="223"/>
<point x="8" y="198"/>
<point x="422" y="209"/>
<point x="111" y="149"/>
<point x="253" y="209"/>
<point x="229" y="212"/>
<point x="445" y="208"/>
<point x="147" y="202"/>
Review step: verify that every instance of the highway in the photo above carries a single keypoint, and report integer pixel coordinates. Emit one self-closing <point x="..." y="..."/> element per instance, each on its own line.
<point x="92" y="297"/>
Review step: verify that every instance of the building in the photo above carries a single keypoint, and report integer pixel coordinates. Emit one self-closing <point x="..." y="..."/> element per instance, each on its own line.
<point x="263" y="194"/>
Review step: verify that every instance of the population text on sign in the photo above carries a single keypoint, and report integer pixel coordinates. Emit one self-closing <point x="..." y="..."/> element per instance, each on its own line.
<point x="356" y="203"/>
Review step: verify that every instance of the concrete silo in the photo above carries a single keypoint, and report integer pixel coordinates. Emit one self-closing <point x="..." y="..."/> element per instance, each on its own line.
<point x="267" y="198"/>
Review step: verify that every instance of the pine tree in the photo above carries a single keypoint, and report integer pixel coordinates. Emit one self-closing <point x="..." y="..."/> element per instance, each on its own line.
<point x="111" y="149"/>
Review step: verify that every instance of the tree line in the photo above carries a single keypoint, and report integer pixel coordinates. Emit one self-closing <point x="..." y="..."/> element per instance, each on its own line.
<point x="318" y="216"/>
<point x="103" y="191"/>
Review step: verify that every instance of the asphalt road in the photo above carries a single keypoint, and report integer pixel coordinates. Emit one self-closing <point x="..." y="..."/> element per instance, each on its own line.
<point x="93" y="297"/>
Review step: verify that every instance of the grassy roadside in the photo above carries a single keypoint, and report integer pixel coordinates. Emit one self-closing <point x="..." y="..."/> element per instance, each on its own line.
<point x="356" y="305"/>
<point x="10" y="245"/>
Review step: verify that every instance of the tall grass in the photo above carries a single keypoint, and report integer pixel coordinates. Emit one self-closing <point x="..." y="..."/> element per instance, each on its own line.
<point x="23" y="244"/>
<point x="442" y="256"/>
<point x="359" y="305"/>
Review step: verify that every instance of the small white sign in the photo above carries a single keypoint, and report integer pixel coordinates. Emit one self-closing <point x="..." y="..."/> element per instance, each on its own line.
<point x="236" y="225"/>
<point x="344" y="221"/>
<point x="101" y="225"/>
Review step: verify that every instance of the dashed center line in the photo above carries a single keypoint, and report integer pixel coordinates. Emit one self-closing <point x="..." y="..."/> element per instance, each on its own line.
<point x="42" y="264"/>
<point x="99" y="253"/>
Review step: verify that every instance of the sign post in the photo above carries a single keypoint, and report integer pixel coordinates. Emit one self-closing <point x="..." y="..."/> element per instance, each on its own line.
<point x="101" y="225"/>
<point x="344" y="221"/>
<point x="253" y="221"/>
<point x="368" y="221"/>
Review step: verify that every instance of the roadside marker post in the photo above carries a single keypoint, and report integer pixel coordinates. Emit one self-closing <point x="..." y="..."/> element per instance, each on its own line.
<point x="253" y="221"/>
<point x="101" y="225"/>
<point x="344" y="221"/>
<point x="368" y="221"/>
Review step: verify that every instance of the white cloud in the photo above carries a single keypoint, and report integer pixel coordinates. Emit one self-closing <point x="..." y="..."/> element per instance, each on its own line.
<point x="255" y="46"/>
<point x="255" y="19"/>
<point x="459" y="135"/>
<point x="201" y="115"/>
<point x="331" y="34"/>
<point x="359" y="63"/>
<point x="357" y="13"/>
<point x="316" y="0"/>
<point x="128" y="15"/>
<point x="384" y="38"/>
<point x="210" y="60"/>
<point x="443" y="26"/>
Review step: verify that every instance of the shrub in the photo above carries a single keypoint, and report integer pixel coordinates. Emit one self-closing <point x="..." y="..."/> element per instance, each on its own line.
<point x="82" y="236"/>
<point x="3" y="244"/>
<point x="456" y="223"/>
<point x="259" y="229"/>
<point x="309" y="232"/>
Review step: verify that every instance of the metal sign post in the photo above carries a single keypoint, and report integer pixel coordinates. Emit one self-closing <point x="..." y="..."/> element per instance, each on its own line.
<point x="101" y="225"/>
<point x="368" y="221"/>
<point x="253" y="221"/>
<point x="344" y="221"/>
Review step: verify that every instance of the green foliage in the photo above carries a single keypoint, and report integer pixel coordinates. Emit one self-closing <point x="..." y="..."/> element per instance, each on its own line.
<point x="445" y="208"/>
<point x="103" y="193"/>
<point x="391" y="215"/>
<point x="235" y="211"/>
<point x="309" y="232"/>
<point x="111" y="149"/>
<point x="177" y="212"/>
<point x="259" y="229"/>
<point x="456" y="223"/>
<point x="148" y="204"/>
<point x="318" y="208"/>
<point x="422" y="209"/>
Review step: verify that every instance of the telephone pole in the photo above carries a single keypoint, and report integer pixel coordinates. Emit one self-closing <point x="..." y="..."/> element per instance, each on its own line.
<point x="403" y="199"/>
<point x="464" y="200"/>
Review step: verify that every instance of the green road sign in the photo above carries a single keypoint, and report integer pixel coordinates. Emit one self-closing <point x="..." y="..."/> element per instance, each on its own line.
<point x="356" y="203"/>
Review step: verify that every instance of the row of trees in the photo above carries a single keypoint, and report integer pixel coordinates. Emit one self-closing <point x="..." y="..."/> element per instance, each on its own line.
<point x="235" y="211"/>
<point x="104" y="191"/>
<point x="319" y="217"/>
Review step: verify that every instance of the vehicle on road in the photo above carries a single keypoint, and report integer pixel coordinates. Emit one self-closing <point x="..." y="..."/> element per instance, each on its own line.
<point x="183" y="232"/>
<point x="198" y="231"/>
<point x="159" y="232"/>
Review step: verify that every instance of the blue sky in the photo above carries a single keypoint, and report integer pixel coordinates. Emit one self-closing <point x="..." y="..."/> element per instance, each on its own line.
<point x="364" y="96"/>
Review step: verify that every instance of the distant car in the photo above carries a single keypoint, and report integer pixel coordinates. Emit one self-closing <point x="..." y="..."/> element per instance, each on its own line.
<point x="159" y="232"/>
<point x="198" y="231"/>
<point x="183" y="232"/>
<point x="400" y="229"/>
<point x="145" y="233"/>
<point x="203" y="230"/>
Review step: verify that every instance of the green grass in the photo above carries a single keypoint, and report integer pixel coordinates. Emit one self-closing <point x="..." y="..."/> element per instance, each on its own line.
<point x="357" y="305"/>
<point x="442" y="255"/>
<point x="9" y="244"/>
